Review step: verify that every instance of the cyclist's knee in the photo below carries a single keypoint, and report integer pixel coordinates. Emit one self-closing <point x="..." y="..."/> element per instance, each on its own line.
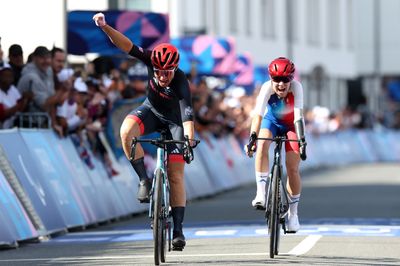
<point x="129" y="129"/>
<point x="178" y="193"/>
<point x="263" y="147"/>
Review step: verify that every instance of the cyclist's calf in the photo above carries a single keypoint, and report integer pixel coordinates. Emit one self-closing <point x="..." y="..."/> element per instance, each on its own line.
<point x="176" y="181"/>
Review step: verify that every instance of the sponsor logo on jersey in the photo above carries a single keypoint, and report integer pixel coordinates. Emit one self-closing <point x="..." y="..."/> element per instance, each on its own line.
<point x="175" y="151"/>
<point x="167" y="90"/>
<point x="188" y="111"/>
<point x="157" y="90"/>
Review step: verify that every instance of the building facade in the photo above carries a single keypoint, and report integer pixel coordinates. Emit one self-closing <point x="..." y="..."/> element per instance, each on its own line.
<point x="342" y="48"/>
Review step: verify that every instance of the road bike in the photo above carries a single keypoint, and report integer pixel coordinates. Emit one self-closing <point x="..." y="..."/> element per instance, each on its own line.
<point x="277" y="199"/>
<point x="159" y="209"/>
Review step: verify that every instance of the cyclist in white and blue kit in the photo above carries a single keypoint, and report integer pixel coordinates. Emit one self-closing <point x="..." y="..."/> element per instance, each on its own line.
<point x="279" y="111"/>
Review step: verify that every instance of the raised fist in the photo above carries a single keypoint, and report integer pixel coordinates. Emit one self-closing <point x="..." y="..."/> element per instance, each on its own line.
<point x="99" y="19"/>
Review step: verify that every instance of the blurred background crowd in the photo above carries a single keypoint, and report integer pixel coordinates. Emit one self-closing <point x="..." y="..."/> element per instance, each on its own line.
<point x="45" y="92"/>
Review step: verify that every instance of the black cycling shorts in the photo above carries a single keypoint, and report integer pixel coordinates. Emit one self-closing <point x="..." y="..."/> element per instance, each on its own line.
<point x="150" y="122"/>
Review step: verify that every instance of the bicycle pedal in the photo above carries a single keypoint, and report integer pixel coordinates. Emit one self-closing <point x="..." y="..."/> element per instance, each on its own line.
<point x="144" y="200"/>
<point x="259" y="207"/>
<point x="177" y="248"/>
<point x="290" y="232"/>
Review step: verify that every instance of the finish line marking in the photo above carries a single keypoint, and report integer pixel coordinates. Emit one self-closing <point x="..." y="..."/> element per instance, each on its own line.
<point x="305" y="245"/>
<point x="92" y="258"/>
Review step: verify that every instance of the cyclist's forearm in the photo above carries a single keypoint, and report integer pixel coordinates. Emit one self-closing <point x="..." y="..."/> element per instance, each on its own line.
<point x="299" y="128"/>
<point x="118" y="39"/>
<point x="255" y="124"/>
<point x="188" y="129"/>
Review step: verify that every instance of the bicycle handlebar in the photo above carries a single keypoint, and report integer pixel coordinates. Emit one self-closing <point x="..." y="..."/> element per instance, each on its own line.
<point x="251" y="146"/>
<point x="162" y="142"/>
<point x="279" y="138"/>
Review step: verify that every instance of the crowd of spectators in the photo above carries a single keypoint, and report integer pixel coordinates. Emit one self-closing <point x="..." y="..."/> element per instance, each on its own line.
<point x="77" y="101"/>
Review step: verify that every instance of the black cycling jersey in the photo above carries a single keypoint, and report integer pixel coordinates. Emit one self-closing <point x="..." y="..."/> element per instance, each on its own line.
<point x="173" y="102"/>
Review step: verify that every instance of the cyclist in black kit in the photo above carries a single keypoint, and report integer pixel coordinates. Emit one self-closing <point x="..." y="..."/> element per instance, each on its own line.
<point x="168" y="105"/>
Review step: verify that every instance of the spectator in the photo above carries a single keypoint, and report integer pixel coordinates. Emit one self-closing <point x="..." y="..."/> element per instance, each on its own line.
<point x="11" y="100"/>
<point x="98" y="107"/>
<point x="57" y="64"/>
<point x="37" y="79"/>
<point x="16" y="61"/>
<point x="2" y="63"/>
<point x="67" y="112"/>
<point x="61" y="90"/>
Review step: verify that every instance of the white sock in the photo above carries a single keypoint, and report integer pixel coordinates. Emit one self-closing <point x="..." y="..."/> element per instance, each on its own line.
<point x="261" y="180"/>
<point x="293" y="203"/>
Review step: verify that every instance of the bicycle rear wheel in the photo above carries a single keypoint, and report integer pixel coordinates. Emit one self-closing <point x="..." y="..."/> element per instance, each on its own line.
<point x="163" y="241"/>
<point x="274" y="221"/>
<point x="157" y="218"/>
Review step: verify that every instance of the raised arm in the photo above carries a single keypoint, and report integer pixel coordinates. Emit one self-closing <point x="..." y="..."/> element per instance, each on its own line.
<point x="116" y="37"/>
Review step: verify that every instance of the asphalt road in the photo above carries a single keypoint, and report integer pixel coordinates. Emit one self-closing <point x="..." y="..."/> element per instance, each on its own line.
<point x="349" y="216"/>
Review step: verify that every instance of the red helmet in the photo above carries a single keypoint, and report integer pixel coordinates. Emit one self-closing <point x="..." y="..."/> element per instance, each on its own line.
<point x="281" y="67"/>
<point x="165" y="56"/>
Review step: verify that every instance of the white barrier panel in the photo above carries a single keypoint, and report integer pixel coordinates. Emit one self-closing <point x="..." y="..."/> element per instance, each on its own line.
<point x="217" y="164"/>
<point x="197" y="179"/>
<point x="243" y="166"/>
<point x="126" y="181"/>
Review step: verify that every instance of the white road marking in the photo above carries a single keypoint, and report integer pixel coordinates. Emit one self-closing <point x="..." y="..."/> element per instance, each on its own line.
<point x="135" y="257"/>
<point x="215" y="232"/>
<point x="305" y="245"/>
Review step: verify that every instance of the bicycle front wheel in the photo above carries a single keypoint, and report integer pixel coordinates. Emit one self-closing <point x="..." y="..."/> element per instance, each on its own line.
<point x="158" y="218"/>
<point x="274" y="225"/>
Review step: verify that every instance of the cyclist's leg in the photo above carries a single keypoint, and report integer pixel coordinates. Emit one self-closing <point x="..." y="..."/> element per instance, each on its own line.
<point x="267" y="130"/>
<point x="177" y="199"/>
<point x="139" y="122"/>
<point x="293" y="181"/>
<point x="176" y="165"/>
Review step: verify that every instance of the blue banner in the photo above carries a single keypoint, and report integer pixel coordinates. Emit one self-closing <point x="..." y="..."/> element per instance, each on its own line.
<point x="31" y="178"/>
<point x="210" y="55"/>
<point x="120" y="110"/>
<point x="14" y="215"/>
<point x="82" y="187"/>
<point x="53" y="171"/>
<point x="144" y="29"/>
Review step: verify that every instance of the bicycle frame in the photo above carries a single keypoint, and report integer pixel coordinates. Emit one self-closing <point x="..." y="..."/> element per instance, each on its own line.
<point x="282" y="187"/>
<point x="159" y="209"/>
<point x="276" y="208"/>
<point x="161" y="164"/>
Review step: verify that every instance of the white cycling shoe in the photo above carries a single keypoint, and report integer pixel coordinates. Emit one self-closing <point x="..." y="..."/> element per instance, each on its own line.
<point x="293" y="224"/>
<point x="259" y="202"/>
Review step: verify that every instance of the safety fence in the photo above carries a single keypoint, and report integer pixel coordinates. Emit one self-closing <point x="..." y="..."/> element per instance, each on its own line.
<point x="46" y="188"/>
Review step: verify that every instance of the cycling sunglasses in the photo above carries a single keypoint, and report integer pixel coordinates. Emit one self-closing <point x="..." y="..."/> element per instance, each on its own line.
<point x="163" y="72"/>
<point x="278" y="79"/>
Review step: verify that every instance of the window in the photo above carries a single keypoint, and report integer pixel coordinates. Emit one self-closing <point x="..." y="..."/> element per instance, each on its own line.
<point x="267" y="18"/>
<point x="294" y="20"/>
<point x="215" y="17"/>
<point x="313" y="22"/>
<point x="350" y="27"/>
<point x="333" y="23"/>
<point x="247" y="18"/>
<point x="233" y="16"/>
<point x="141" y="5"/>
